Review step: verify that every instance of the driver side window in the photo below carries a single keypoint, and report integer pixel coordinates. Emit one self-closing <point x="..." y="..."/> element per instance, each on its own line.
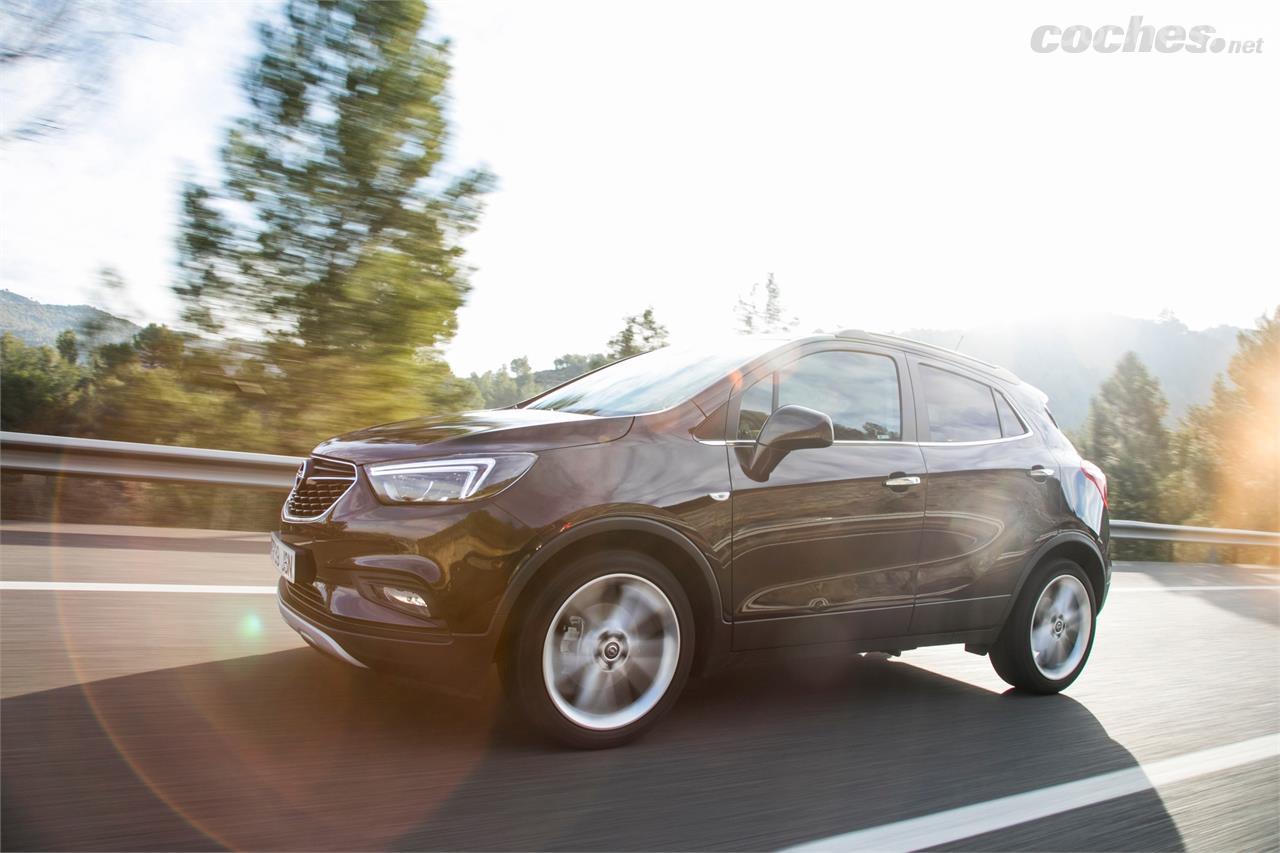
<point x="858" y="390"/>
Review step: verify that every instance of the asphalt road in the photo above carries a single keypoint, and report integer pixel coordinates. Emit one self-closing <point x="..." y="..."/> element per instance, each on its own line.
<point x="165" y="720"/>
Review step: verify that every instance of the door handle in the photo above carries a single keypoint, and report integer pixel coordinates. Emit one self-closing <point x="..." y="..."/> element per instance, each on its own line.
<point x="1039" y="472"/>
<point x="902" y="482"/>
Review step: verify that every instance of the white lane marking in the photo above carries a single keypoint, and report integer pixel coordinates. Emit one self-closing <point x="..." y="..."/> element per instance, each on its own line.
<point x="981" y="818"/>
<point x="1193" y="588"/>
<point x="65" y="586"/>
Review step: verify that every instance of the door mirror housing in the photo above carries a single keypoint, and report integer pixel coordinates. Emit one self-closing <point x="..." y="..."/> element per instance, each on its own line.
<point x="788" y="428"/>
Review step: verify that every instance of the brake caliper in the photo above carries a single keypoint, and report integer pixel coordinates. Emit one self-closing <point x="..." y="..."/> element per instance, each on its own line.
<point x="572" y="634"/>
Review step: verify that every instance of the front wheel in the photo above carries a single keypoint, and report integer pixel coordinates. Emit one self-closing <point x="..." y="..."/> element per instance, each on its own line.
<point x="603" y="651"/>
<point x="1047" y="640"/>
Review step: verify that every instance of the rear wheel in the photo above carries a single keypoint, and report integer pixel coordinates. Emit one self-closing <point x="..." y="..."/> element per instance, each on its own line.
<point x="1046" y="642"/>
<point x="603" y="650"/>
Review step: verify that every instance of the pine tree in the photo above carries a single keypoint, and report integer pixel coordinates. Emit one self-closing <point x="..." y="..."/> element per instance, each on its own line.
<point x="640" y="333"/>
<point x="1226" y="454"/>
<point x="1125" y="435"/>
<point x="766" y="319"/>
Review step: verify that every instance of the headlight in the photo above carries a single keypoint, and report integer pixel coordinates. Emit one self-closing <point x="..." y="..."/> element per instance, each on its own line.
<point x="442" y="480"/>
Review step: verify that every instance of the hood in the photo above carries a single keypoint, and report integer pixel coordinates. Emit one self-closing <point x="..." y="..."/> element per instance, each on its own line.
<point x="491" y="431"/>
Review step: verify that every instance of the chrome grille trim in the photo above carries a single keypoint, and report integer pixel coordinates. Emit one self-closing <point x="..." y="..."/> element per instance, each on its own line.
<point x="319" y="484"/>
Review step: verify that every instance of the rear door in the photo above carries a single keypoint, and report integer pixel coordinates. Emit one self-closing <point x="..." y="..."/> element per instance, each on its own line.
<point x="823" y="549"/>
<point x="991" y="498"/>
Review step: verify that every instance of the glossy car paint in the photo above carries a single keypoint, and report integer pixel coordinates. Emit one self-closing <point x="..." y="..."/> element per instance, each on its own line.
<point x="823" y="551"/>
<point x="985" y="516"/>
<point x="820" y="551"/>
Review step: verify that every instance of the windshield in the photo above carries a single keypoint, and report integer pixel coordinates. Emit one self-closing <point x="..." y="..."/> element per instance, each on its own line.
<point x="653" y="381"/>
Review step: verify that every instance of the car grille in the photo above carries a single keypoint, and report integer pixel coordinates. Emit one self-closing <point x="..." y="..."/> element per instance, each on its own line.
<point x="319" y="484"/>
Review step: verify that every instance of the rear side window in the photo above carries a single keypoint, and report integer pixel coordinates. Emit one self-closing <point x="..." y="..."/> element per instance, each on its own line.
<point x="959" y="408"/>
<point x="1010" y="423"/>
<point x="857" y="390"/>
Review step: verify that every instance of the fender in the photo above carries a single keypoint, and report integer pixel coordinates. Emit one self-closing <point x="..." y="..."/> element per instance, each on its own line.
<point x="1060" y="538"/>
<point x="718" y="628"/>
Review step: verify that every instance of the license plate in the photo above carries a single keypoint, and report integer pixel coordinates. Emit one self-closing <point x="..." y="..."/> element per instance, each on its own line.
<point x="284" y="558"/>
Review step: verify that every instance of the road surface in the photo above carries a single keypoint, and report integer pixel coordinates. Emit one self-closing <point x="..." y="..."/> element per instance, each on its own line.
<point x="141" y="717"/>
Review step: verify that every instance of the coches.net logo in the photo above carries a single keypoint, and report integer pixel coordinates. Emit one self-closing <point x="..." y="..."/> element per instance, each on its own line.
<point x="1137" y="38"/>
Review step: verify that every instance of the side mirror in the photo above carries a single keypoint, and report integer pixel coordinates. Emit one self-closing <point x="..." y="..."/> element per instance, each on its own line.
<point x="788" y="428"/>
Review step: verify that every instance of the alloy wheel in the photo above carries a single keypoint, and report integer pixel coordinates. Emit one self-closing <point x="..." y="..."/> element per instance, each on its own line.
<point x="1061" y="625"/>
<point x="611" y="651"/>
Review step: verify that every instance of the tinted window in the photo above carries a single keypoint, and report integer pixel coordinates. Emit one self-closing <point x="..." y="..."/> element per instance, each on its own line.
<point x="1010" y="423"/>
<point x="859" y="391"/>
<point x="959" y="409"/>
<point x="757" y="403"/>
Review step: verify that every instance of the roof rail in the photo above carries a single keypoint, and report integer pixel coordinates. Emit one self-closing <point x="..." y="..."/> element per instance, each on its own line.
<point x="911" y="343"/>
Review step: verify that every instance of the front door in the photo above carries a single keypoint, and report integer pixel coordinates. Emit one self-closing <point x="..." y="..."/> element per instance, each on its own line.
<point x="824" y="547"/>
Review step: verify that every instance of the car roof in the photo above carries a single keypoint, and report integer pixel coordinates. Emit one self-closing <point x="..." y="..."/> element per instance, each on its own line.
<point x="933" y="351"/>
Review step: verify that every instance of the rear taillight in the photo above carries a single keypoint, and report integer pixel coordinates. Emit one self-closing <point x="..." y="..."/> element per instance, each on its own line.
<point x="1094" y="474"/>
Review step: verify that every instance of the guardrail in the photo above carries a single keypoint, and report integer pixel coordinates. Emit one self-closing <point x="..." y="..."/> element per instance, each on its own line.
<point x="51" y="454"/>
<point x="126" y="460"/>
<point x="1151" y="532"/>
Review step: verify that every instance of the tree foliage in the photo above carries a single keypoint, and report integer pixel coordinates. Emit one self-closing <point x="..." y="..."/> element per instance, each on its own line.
<point x="39" y="388"/>
<point x="1125" y="435"/>
<point x="68" y="346"/>
<point x="518" y="381"/>
<point x="333" y="238"/>
<point x="1226" y="454"/>
<point x="767" y="317"/>
<point x="640" y="333"/>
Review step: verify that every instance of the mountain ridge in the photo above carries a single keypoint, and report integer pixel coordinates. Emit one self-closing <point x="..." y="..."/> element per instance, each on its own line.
<point x="38" y="324"/>
<point x="1070" y="359"/>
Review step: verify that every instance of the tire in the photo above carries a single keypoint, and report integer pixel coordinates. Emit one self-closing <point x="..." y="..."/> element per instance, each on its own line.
<point x="1048" y="637"/>
<point x="602" y="651"/>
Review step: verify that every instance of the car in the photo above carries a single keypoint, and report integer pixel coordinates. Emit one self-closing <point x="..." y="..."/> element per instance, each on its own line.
<point x="645" y="522"/>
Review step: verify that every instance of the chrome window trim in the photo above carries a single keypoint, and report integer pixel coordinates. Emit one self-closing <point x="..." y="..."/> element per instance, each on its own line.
<point x="285" y="515"/>
<point x="870" y="441"/>
<point x="747" y="442"/>
<point x="1001" y="440"/>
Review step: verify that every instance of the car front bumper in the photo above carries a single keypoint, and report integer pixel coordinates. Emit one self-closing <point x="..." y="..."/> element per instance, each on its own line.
<point x="454" y="662"/>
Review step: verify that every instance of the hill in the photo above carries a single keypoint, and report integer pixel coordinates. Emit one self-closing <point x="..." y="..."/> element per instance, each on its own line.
<point x="39" y="325"/>
<point x="1069" y="359"/>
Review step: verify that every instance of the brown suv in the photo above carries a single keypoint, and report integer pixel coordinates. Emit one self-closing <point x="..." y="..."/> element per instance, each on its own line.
<point x="602" y="541"/>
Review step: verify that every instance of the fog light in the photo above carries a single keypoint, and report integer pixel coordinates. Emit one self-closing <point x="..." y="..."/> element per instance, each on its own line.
<point x="407" y="599"/>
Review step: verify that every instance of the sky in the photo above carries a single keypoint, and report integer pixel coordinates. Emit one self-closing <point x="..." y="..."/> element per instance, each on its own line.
<point x="894" y="166"/>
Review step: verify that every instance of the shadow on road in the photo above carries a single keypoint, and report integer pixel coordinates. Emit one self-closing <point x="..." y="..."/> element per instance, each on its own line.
<point x="291" y="751"/>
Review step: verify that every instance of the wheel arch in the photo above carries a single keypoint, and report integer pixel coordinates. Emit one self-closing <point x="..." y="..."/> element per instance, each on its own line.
<point x="1072" y="545"/>
<point x="661" y="541"/>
